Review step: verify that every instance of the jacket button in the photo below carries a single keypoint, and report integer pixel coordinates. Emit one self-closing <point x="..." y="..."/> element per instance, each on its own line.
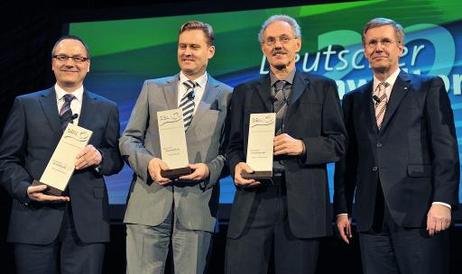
<point x="374" y="169"/>
<point x="379" y="145"/>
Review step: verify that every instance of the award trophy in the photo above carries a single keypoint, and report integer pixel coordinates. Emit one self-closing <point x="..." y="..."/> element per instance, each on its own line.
<point x="260" y="146"/>
<point x="173" y="147"/>
<point x="61" y="166"/>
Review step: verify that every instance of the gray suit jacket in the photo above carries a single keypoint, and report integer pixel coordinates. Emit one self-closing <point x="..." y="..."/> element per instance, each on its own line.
<point x="195" y="203"/>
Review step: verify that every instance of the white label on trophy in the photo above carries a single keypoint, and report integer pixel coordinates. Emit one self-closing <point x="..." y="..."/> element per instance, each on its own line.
<point x="260" y="143"/>
<point x="172" y="137"/>
<point x="62" y="163"/>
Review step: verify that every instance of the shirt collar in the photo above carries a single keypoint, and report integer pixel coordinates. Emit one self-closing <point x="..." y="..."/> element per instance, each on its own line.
<point x="390" y="80"/>
<point x="289" y="78"/>
<point x="201" y="81"/>
<point x="78" y="93"/>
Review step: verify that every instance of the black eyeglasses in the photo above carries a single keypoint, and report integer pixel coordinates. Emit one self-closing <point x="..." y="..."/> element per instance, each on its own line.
<point x="64" y="58"/>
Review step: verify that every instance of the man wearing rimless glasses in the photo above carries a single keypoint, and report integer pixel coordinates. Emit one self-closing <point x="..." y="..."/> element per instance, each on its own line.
<point x="60" y="234"/>
<point x="286" y="215"/>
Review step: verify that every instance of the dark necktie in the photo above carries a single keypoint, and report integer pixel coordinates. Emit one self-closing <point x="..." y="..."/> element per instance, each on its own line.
<point x="65" y="113"/>
<point x="187" y="103"/>
<point x="280" y="103"/>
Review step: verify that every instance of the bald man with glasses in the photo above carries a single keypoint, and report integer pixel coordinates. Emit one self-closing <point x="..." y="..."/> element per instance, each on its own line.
<point x="67" y="233"/>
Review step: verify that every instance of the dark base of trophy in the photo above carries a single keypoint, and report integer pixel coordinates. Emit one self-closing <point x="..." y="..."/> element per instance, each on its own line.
<point x="257" y="175"/>
<point x="176" y="172"/>
<point x="49" y="190"/>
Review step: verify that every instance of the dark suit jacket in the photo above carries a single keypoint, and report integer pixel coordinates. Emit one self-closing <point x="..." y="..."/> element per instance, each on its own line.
<point x="414" y="155"/>
<point x="314" y="116"/>
<point x="30" y="136"/>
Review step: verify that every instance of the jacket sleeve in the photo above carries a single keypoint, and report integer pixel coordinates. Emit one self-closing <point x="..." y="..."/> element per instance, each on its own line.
<point x="235" y="149"/>
<point x="330" y="145"/>
<point x="346" y="168"/>
<point x="217" y="165"/>
<point x="132" y="141"/>
<point x="442" y="136"/>
<point x="112" y="161"/>
<point x="13" y="175"/>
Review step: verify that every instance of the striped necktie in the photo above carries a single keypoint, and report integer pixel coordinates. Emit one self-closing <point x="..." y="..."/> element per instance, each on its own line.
<point x="187" y="103"/>
<point x="65" y="113"/>
<point x="381" y="104"/>
<point x="280" y="104"/>
<point x="280" y="96"/>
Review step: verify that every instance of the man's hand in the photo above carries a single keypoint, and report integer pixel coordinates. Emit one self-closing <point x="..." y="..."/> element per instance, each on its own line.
<point x="344" y="227"/>
<point x="154" y="168"/>
<point x="200" y="172"/>
<point x="88" y="156"/>
<point x="35" y="193"/>
<point x="284" y="144"/>
<point x="438" y="219"/>
<point x="239" y="181"/>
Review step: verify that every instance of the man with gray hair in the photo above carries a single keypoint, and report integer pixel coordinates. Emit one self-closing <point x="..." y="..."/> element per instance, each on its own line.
<point x="288" y="213"/>
<point x="402" y="162"/>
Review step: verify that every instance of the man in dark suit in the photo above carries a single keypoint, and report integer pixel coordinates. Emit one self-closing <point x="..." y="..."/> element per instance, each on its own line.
<point x="402" y="160"/>
<point x="66" y="233"/>
<point x="289" y="213"/>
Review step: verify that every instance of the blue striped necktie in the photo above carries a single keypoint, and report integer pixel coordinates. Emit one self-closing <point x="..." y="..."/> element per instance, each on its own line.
<point x="187" y="103"/>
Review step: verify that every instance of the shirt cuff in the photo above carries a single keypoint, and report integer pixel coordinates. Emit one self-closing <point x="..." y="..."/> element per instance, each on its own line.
<point x="342" y="214"/>
<point x="443" y="204"/>
<point x="99" y="167"/>
<point x="303" y="149"/>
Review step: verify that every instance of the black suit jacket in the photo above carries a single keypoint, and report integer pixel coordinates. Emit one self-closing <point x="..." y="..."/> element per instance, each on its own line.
<point x="30" y="136"/>
<point x="414" y="155"/>
<point x="314" y="116"/>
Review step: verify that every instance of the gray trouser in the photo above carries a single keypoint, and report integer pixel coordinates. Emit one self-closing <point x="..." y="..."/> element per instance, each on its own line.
<point x="147" y="248"/>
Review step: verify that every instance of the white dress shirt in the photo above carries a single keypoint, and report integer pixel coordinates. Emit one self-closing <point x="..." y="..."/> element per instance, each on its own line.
<point x="76" y="103"/>
<point x="198" y="91"/>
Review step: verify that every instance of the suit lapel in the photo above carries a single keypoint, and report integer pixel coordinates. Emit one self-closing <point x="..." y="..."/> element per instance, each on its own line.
<point x="300" y="84"/>
<point x="89" y="108"/>
<point x="211" y="92"/>
<point x="398" y="92"/>
<point x="171" y="92"/>
<point x="369" y="106"/>
<point x="264" y="91"/>
<point x="50" y="108"/>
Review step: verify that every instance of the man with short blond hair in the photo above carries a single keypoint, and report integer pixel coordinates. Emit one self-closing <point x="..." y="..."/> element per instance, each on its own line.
<point x="180" y="214"/>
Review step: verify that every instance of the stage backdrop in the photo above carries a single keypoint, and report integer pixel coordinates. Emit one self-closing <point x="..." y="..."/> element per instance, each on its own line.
<point x="127" y="52"/>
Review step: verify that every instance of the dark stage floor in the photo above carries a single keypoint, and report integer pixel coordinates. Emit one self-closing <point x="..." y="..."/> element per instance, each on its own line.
<point x="335" y="257"/>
